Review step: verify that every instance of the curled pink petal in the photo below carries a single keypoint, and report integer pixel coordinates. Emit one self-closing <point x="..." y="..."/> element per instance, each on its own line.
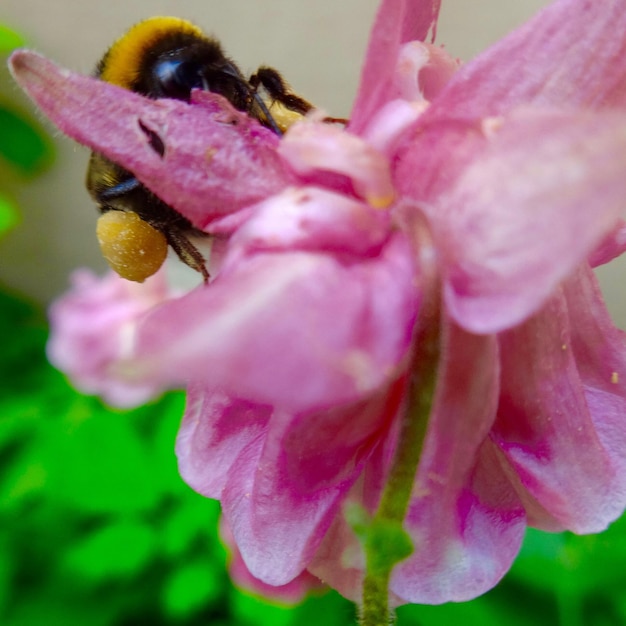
<point x="214" y="436"/>
<point x="423" y="71"/>
<point x="389" y="127"/>
<point x="561" y="411"/>
<point x="309" y="147"/>
<point x="294" y="488"/>
<point x="570" y="55"/>
<point x="397" y="22"/>
<point x="509" y="202"/>
<point x="465" y="519"/>
<point x="291" y="593"/>
<point x="467" y="541"/>
<point x="205" y="142"/>
<point x="282" y="297"/>
<point x="612" y="246"/>
<point x="312" y="219"/>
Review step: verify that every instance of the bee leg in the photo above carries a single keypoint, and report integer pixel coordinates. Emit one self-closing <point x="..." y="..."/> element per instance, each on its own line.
<point x="275" y="86"/>
<point x="336" y="120"/>
<point x="187" y="252"/>
<point x="121" y="189"/>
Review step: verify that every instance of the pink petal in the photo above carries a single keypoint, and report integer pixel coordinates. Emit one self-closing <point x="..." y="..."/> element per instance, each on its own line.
<point x="216" y="433"/>
<point x="397" y="22"/>
<point x="465" y="519"/>
<point x="423" y="70"/>
<point x="516" y="204"/>
<point x="612" y="246"/>
<point x="280" y="503"/>
<point x="312" y="219"/>
<point x="291" y="593"/>
<point x="90" y="330"/>
<point x="561" y="416"/>
<point x="268" y="324"/>
<point x="388" y="129"/>
<point x="572" y="54"/>
<point x="313" y="147"/>
<point x="216" y="160"/>
<point x="339" y="559"/>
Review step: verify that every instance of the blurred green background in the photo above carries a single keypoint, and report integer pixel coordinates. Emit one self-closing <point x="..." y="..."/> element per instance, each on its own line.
<point x="97" y="528"/>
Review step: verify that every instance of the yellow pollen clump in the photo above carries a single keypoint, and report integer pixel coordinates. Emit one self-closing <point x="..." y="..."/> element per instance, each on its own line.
<point x="380" y="202"/>
<point x="133" y="248"/>
<point x="615" y="378"/>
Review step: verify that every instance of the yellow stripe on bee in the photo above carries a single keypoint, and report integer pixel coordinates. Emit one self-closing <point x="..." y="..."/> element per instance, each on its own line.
<point x="122" y="61"/>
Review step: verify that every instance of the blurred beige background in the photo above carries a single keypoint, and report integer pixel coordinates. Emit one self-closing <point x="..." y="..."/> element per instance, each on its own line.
<point x="318" y="46"/>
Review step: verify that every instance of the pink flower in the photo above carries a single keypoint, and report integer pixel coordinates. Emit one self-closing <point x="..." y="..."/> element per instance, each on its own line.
<point x="489" y="187"/>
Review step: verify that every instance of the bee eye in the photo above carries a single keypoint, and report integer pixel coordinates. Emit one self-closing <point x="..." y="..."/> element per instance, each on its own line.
<point x="176" y="78"/>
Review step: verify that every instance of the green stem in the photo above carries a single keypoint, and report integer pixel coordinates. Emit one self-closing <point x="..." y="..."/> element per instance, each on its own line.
<point x="396" y="495"/>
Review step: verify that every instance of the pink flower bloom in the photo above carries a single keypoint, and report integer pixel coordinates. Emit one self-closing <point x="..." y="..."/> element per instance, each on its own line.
<point x="497" y="182"/>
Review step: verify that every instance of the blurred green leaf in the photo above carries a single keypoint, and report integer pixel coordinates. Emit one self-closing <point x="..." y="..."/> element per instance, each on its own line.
<point x="540" y="564"/>
<point x="9" y="39"/>
<point x="23" y="337"/>
<point x="329" y="609"/>
<point x="493" y="608"/>
<point x="192" y="587"/>
<point x="120" y="550"/>
<point x="248" y="609"/>
<point x="9" y="214"/>
<point x="22" y="144"/>
<point x="25" y="476"/>
<point x="6" y="567"/>
<point x="561" y="563"/>
<point x="53" y="611"/>
<point x="188" y="522"/>
<point x="98" y="463"/>
<point x="162" y="437"/>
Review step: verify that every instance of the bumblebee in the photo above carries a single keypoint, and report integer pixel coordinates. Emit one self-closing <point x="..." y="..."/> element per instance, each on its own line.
<point x="167" y="57"/>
